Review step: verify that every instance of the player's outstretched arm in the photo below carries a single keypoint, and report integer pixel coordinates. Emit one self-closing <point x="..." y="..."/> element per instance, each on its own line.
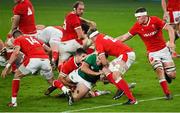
<point x="10" y="61"/>
<point x="90" y="23"/>
<point x="124" y="37"/>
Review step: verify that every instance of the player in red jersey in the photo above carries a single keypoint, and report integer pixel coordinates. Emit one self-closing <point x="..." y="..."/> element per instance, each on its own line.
<point x="149" y="28"/>
<point x="106" y="45"/>
<point x="35" y="59"/>
<point x="72" y="23"/>
<point x="23" y="19"/>
<point x="171" y="15"/>
<point x="5" y="53"/>
<point x="73" y="33"/>
<point x="67" y="67"/>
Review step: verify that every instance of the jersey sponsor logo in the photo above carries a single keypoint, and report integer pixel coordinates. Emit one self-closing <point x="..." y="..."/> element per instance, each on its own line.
<point x="150" y="34"/>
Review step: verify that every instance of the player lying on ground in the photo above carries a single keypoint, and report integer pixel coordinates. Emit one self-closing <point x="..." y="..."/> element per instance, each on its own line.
<point x="67" y="67"/>
<point x="85" y="77"/>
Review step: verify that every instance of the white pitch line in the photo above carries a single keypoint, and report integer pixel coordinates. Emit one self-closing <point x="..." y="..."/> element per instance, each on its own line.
<point x="110" y="105"/>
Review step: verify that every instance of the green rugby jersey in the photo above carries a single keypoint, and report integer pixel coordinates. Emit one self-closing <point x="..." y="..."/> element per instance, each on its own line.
<point x="91" y="60"/>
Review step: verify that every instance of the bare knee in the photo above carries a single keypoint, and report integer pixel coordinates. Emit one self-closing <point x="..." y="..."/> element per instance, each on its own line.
<point x="160" y="73"/>
<point x="117" y="77"/>
<point x="18" y="74"/>
<point x="76" y="96"/>
<point x="171" y="71"/>
<point x="172" y="75"/>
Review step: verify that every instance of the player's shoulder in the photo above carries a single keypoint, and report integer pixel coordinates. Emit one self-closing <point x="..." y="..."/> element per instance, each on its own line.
<point x="21" y="37"/>
<point x="91" y="57"/>
<point x="101" y="36"/>
<point x="71" y="15"/>
<point x="21" y="6"/>
<point x="154" y="18"/>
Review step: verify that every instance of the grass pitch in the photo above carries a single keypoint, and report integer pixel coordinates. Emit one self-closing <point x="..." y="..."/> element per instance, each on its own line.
<point x="113" y="17"/>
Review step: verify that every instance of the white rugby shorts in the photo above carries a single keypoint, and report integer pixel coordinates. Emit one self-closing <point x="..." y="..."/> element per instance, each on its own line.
<point x="122" y="63"/>
<point x="35" y="64"/>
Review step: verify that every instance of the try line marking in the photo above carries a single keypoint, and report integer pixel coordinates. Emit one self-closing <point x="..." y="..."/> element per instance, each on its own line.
<point x="110" y="105"/>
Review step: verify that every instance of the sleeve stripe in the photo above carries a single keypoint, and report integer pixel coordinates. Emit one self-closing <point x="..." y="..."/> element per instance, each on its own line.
<point x="130" y="34"/>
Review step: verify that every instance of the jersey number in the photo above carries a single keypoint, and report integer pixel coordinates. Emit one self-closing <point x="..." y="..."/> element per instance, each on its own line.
<point x="29" y="11"/>
<point x="32" y="41"/>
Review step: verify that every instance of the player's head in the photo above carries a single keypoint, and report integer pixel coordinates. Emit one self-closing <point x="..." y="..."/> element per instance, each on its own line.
<point x="92" y="33"/>
<point x="141" y="15"/>
<point x="85" y="27"/>
<point x="80" y="55"/>
<point x="78" y="7"/>
<point x="16" y="33"/>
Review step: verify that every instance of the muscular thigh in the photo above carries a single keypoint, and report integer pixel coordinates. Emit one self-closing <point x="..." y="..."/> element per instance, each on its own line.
<point x="46" y="69"/>
<point x="30" y="66"/>
<point x="80" y="91"/>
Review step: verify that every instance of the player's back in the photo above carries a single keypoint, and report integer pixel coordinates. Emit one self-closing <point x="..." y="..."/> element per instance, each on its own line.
<point x="31" y="47"/>
<point x="110" y="46"/>
<point x="173" y="5"/>
<point x="26" y="12"/>
<point x="50" y="33"/>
